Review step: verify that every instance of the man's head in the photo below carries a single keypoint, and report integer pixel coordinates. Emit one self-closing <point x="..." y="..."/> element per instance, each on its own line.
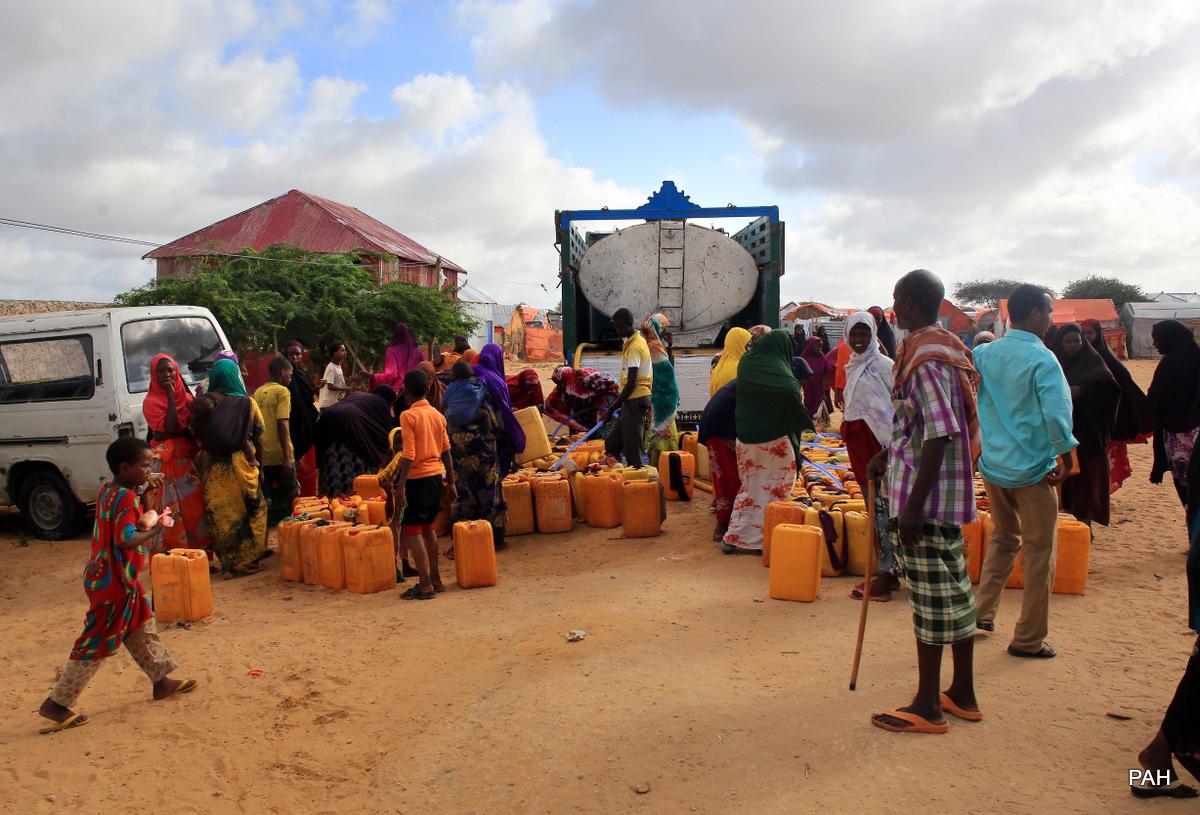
<point x="461" y="344"/>
<point x="1030" y="309"/>
<point x="130" y="460"/>
<point x="280" y="371"/>
<point x="416" y="385"/>
<point x="337" y="352"/>
<point x="918" y="297"/>
<point x="461" y="371"/>
<point x="622" y="321"/>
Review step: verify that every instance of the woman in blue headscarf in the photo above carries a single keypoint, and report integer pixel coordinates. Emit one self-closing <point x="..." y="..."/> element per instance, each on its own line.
<point x="490" y="370"/>
<point x="661" y="436"/>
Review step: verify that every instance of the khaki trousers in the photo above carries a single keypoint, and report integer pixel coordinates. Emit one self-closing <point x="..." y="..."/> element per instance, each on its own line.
<point x="143" y="645"/>
<point x="1025" y="520"/>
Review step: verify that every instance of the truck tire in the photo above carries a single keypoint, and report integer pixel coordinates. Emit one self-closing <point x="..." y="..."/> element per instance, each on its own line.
<point x="49" y="507"/>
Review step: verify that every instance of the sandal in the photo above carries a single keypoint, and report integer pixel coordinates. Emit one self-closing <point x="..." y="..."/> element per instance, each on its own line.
<point x="415" y="593"/>
<point x="74" y="720"/>
<point x="186" y="686"/>
<point x="951" y="707"/>
<point x="1047" y="652"/>
<point x="916" y="723"/>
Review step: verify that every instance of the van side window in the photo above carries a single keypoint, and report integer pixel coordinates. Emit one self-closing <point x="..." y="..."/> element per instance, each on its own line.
<point x="46" y="370"/>
<point x="192" y="342"/>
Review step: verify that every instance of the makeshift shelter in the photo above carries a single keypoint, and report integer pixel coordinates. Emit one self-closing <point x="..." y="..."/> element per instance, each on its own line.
<point x="1076" y="311"/>
<point x="955" y="320"/>
<point x="489" y="315"/>
<point x="529" y="335"/>
<point x="1139" y="320"/>
<point x="1174" y="297"/>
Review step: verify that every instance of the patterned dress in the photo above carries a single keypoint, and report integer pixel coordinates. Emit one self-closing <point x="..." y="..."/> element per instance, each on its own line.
<point x="768" y="473"/>
<point x="175" y="459"/>
<point x="477" y="470"/>
<point x="235" y="505"/>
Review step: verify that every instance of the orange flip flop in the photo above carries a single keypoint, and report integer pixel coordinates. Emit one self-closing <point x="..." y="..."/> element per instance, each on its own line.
<point x="917" y="724"/>
<point x="962" y="713"/>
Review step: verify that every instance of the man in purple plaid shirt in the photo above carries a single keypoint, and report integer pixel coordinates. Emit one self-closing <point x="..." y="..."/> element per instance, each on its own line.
<point x="930" y="488"/>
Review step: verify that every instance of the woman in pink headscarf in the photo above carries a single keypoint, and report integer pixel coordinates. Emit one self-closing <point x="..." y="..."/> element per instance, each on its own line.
<point x="403" y="355"/>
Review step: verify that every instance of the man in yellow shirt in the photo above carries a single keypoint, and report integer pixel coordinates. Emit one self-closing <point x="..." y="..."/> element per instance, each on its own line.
<point x="279" y="467"/>
<point x="637" y="377"/>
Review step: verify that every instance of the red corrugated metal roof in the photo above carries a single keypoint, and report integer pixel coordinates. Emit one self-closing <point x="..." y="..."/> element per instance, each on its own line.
<point x="306" y="221"/>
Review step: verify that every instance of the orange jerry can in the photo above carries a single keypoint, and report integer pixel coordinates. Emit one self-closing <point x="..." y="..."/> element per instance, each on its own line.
<point x="975" y="545"/>
<point x="519" y="497"/>
<point x="579" y="491"/>
<point x="310" y="555"/>
<point x="182" y="590"/>
<point x="552" y="502"/>
<point x="641" y="509"/>
<point x="604" y="500"/>
<point x="779" y="512"/>
<point x="376" y="511"/>
<point x="796" y="563"/>
<point x="367" y="486"/>
<point x="370" y="559"/>
<point x="474" y="554"/>
<point x="1074" y="551"/>
<point x="309" y="504"/>
<point x="678" y="472"/>
<point x="330" y="562"/>
<point x="858" y="540"/>
<point x="290" y="565"/>
<point x="812" y="517"/>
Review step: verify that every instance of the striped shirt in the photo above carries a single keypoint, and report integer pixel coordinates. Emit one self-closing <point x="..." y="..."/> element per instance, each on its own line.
<point x="930" y="406"/>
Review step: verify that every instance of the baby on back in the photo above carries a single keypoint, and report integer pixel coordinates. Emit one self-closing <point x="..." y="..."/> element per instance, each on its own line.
<point x="464" y="396"/>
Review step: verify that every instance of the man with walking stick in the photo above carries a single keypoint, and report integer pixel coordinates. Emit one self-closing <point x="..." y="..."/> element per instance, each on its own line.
<point x="930" y="488"/>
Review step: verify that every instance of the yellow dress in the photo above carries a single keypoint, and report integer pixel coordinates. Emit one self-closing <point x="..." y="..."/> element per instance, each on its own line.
<point x="234" y="504"/>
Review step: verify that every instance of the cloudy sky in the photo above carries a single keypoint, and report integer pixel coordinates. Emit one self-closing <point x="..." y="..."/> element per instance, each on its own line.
<point x="1015" y="138"/>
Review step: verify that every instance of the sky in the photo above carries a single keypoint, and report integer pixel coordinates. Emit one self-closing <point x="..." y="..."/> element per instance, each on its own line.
<point x="1017" y="138"/>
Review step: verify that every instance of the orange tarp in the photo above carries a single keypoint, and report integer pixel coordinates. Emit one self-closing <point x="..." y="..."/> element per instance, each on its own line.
<point x="543" y="344"/>
<point x="1076" y="311"/>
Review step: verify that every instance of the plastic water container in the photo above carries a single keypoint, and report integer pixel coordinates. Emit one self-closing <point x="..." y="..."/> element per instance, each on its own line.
<point x="604" y="500"/>
<point x="537" y="443"/>
<point x="519" y="497"/>
<point x="975" y="546"/>
<point x="370" y="559"/>
<point x="678" y="472"/>
<point x="474" y="554"/>
<point x="796" y="563"/>
<point x="367" y="486"/>
<point x="290" y="565"/>
<point x="690" y="443"/>
<point x="642" y="509"/>
<point x="308" y="503"/>
<point x="377" y="511"/>
<point x="1074" y="552"/>
<point x="779" y="512"/>
<point x="812" y="517"/>
<point x="310" y="554"/>
<point x="331" y="561"/>
<point x="857" y="528"/>
<point x="552" y="504"/>
<point x="579" y="492"/>
<point x="182" y="589"/>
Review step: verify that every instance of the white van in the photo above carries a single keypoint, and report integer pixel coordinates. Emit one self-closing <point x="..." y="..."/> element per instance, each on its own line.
<point x="70" y="383"/>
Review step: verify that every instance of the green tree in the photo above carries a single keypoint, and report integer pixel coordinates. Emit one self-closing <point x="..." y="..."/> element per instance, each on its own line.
<point x="1095" y="287"/>
<point x="990" y="292"/>
<point x="263" y="300"/>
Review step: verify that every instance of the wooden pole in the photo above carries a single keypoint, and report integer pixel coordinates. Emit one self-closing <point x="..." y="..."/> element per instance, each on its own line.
<point x="866" y="592"/>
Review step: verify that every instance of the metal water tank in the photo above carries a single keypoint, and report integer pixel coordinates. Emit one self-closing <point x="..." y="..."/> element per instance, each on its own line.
<point x="697" y="277"/>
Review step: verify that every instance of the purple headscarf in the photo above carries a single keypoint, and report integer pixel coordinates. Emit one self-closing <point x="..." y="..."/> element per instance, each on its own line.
<point x="224" y="354"/>
<point x="490" y="369"/>
<point x="403" y="355"/>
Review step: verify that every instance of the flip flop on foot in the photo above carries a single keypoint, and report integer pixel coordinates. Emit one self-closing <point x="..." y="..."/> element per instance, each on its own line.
<point x="184" y="686"/>
<point x="1047" y="652"/>
<point x="415" y="593"/>
<point x="915" y="723"/>
<point x="74" y="720"/>
<point x="1174" y="789"/>
<point x="951" y="707"/>
<point x="987" y="626"/>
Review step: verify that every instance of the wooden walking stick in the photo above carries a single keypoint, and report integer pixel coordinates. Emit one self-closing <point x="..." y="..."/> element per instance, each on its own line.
<point x="866" y="593"/>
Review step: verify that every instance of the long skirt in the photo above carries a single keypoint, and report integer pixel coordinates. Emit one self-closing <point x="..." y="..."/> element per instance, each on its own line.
<point x="183" y="493"/>
<point x="306" y="472"/>
<point x="1181" y="724"/>
<point x="722" y="464"/>
<point x="338" y="469"/>
<point x="236" y="510"/>
<point x="477" y="477"/>
<point x="1086" y="496"/>
<point x="862" y="446"/>
<point x="768" y="473"/>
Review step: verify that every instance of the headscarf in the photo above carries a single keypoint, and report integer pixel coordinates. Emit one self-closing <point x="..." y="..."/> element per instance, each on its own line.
<point x="933" y="343"/>
<point x="736" y="342"/>
<point x="868" y="392"/>
<point x="1175" y="389"/>
<point x="1095" y="412"/>
<point x="491" y="371"/>
<point x="226" y="378"/>
<point x="362" y="422"/>
<point x="1048" y="337"/>
<point x="664" y="391"/>
<point x="436" y="389"/>
<point x="303" y="418"/>
<point x="470" y="355"/>
<point x="227" y="354"/>
<point x="402" y="356"/>
<point x="154" y="407"/>
<point x="578" y="395"/>
<point x="822" y="372"/>
<point x="525" y="389"/>
<point x="758" y="331"/>
<point x="769" y="405"/>
<point x="823" y="334"/>
<point x="1134" y="415"/>
<point x="884" y="331"/>
<point x="800" y="369"/>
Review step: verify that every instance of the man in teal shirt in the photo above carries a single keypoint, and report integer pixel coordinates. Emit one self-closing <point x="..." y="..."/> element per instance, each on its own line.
<point x="1025" y="422"/>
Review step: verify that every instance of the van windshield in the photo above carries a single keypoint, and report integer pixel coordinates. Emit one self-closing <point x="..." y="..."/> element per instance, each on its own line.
<point x="191" y="341"/>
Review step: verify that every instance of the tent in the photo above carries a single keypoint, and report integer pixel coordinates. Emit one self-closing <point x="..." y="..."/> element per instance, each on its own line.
<point x="1139" y="319"/>
<point x="1076" y="311"/>
<point x="955" y="320"/>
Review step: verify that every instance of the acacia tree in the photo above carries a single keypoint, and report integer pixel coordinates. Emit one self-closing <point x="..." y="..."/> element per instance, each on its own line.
<point x="990" y="292"/>
<point x="1104" y="288"/>
<point x="263" y="300"/>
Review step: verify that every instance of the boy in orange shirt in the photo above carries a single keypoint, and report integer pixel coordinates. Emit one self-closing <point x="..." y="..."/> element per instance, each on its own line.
<point x="424" y="463"/>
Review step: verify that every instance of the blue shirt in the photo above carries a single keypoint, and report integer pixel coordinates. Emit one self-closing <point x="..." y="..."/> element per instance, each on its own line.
<point x="1024" y="410"/>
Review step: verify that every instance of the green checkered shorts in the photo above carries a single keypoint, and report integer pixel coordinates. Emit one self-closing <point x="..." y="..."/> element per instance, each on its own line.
<point x="939" y="589"/>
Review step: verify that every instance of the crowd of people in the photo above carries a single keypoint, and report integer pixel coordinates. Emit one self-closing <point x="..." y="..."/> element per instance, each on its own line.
<point x="1044" y="416"/>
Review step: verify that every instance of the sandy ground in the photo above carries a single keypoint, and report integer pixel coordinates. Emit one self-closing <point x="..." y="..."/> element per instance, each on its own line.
<point x="690" y="682"/>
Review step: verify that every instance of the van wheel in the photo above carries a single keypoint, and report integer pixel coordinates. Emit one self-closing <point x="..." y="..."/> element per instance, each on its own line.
<point x="49" y="508"/>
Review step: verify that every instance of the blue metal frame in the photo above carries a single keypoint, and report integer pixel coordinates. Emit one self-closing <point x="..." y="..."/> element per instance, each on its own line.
<point x="669" y="203"/>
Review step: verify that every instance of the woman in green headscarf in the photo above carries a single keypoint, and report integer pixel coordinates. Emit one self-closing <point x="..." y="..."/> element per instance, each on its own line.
<point x="229" y="427"/>
<point x="661" y="435"/>
<point x="770" y="417"/>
